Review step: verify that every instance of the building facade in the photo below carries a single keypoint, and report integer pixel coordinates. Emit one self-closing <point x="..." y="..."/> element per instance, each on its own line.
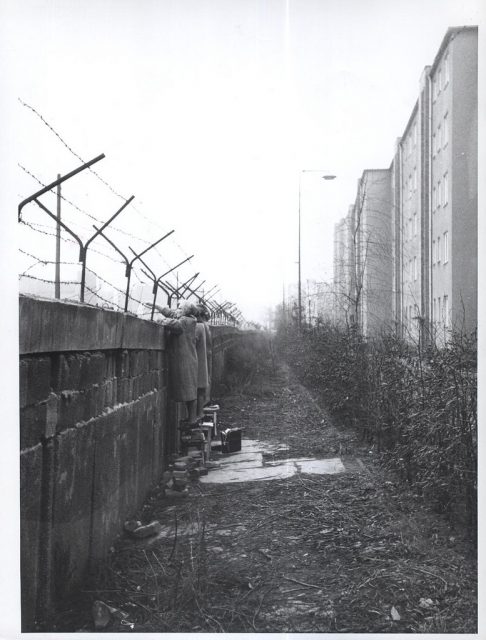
<point x="453" y="179"/>
<point x="417" y="249"/>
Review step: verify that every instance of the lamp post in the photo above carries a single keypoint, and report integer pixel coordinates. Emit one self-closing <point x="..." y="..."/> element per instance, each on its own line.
<point x="324" y="177"/>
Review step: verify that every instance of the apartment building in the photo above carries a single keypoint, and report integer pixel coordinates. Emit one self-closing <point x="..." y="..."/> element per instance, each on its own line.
<point x="436" y="204"/>
<point x="453" y="181"/>
<point x="374" y="266"/>
<point x="420" y="223"/>
<point x="410" y="241"/>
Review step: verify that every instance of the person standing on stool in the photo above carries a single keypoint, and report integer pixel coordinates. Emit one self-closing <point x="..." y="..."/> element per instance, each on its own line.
<point x="202" y="363"/>
<point x="183" y="356"/>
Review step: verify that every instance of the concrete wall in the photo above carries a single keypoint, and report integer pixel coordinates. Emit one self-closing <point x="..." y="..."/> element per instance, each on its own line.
<point x="96" y="426"/>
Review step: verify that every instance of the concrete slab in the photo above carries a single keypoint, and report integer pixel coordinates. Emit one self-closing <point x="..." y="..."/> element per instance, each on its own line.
<point x="237" y="473"/>
<point x="272" y="463"/>
<point x="248" y="465"/>
<point x="250" y="458"/>
<point x="329" y="466"/>
<point x="264" y="447"/>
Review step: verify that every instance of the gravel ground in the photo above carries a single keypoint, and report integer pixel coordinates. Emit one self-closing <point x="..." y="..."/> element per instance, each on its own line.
<point x="353" y="552"/>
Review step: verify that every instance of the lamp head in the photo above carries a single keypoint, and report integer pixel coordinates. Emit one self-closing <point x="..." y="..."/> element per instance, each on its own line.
<point x="328" y="177"/>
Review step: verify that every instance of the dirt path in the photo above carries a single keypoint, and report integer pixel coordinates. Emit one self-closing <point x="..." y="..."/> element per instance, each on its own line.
<point x="352" y="552"/>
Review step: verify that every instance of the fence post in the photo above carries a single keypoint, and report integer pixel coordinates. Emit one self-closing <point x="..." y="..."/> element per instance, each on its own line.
<point x="57" y="276"/>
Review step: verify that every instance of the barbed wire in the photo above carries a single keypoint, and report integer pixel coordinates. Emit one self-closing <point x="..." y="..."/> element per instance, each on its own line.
<point x="76" y="155"/>
<point x="65" y="144"/>
<point x="92" y="217"/>
<point x="44" y="261"/>
<point x="109" y="302"/>
<point x="34" y="225"/>
<point x="89" y="215"/>
<point x="78" y="208"/>
<point x="63" y="197"/>
<point x="63" y="262"/>
<point x="47" y="281"/>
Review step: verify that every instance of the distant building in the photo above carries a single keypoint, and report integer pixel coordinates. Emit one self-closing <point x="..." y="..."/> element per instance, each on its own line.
<point x="374" y="259"/>
<point x="342" y="270"/>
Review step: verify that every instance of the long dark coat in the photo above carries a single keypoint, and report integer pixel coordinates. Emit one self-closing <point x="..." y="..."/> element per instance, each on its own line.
<point x="182" y="357"/>
<point x="209" y="353"/>
<point x="202" y="359"/>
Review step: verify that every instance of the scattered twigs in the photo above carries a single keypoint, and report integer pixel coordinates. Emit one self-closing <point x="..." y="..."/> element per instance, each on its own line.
<point x="175" y="538"/>
<point x="257" y="611"/>
<point x="156" y="582"/>
<point x="431" y="574"/>
<point x="159" y="563"/>
<point x="304" y="584"/>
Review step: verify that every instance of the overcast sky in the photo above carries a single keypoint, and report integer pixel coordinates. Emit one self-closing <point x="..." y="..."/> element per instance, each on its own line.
<point x="208" y="111"/>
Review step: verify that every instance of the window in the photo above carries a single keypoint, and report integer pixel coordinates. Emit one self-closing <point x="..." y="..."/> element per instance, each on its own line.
<point x="434" y="145"/>
<point x="415" y="178"/>
<point x="438" y="309"/>
<point x="446" y="247"/>
<point x="440" y="80"/>
<point x="438" y="138"/>
<point x="415" y="271"/>
<point x="415" y="224"/>
<point x="445" y="131"/>
<point x="415" y="134"/>
<point x="438" y="250"/>
<point x="434" y="310"/>
<point x="445" y="195"/>
<point x="445" y="311"/>
<point x="410" y="269"/>
<point x="433" y="251"/>
<point x="439" y="194"/>
<point x="447" y="70"/>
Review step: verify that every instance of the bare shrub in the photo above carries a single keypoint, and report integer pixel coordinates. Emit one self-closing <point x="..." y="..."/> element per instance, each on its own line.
<point x="417" y="405"/>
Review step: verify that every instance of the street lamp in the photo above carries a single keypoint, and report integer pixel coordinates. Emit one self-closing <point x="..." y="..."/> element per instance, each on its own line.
<point x="326" y="176"/>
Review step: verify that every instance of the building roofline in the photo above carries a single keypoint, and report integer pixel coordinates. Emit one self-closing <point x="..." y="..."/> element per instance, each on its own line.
<point x="451" y="33"/>
<point x="410" y="120"/>
<point x="373" y="170"/>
